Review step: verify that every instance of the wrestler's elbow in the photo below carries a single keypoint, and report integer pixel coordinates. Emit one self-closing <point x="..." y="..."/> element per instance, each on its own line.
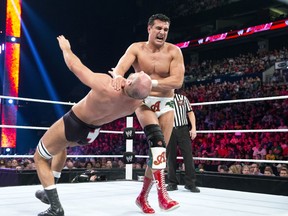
<point x="74" y="66"/>
<point x="71" y="66"/>
<point x="178" y="84"/>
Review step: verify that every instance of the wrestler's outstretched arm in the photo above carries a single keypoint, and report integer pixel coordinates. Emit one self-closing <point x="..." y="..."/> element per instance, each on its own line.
<point x="75" y="65"/>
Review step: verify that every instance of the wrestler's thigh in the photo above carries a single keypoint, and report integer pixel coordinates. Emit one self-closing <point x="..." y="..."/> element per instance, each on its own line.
<point x="146" y="116"/>
<point x="54" y="139"/>
<point x="166" y="123"/>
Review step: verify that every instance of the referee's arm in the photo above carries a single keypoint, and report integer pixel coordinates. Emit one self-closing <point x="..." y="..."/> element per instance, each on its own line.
<point x="192" y="119"/>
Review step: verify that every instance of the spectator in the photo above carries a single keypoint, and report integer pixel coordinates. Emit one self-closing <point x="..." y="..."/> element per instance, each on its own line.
<point x="109" y="164"/>
<point x="283" y="172"/>
<point x="223" y="169"/>
<point x="254" y="169"/>
<point x="2" y="164"/>
<point x="270" y="155"/>
<point x="88" y="165"/>
<point x="14" y="164"/>
<point x="69" y="164"/>
<point x="234" y="169"/>
<point x="268" y="171"/>
<point x="245" y="170"/>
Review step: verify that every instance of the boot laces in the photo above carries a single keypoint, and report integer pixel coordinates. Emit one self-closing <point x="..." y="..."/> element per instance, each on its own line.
<point x="162" y="187"/>
<point x="147" y="192"/>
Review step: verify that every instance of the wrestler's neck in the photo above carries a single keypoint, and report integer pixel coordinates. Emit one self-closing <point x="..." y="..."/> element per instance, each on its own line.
<point x="154" y="47"/>
<point x="125" y="93"/>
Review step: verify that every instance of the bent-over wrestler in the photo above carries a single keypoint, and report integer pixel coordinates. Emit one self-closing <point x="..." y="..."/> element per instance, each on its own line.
<point x="81" y="125"/>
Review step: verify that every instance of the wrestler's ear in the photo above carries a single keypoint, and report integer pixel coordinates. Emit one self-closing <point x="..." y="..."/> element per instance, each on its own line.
<point x="129" y="82"/>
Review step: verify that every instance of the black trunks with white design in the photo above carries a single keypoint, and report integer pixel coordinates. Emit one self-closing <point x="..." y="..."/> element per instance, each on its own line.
<point x="78" y="131"/>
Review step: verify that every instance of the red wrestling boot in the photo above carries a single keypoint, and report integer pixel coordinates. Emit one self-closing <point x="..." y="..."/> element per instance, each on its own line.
<point x="165" y="202"/>
<point x="141" y="200"/>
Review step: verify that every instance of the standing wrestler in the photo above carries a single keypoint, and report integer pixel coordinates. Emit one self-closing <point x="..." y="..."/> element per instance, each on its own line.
<point x="81" y="125"/>
<point x="164" y="63"/>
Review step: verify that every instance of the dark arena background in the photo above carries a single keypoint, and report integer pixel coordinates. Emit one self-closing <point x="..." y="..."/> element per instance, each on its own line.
<point x="236" y="78"/>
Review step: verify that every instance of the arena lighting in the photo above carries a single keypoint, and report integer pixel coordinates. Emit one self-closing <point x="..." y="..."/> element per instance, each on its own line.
<point x="11" y="68"/>
<point x="235" y="34"/>
<point x="7" y="150"/>
<point x="13" y="39"/>
<point x="40" y="65"/>
<point x="10" y="101"/>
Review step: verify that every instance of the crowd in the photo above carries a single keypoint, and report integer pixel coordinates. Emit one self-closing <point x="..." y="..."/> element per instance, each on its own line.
<point x="243" y="64"/>
<point x="188" y="7"/>
<point x="254" y="169"/>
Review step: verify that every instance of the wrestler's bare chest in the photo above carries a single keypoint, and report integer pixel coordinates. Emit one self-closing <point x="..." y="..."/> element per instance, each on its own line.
<point x="153" y="63"/>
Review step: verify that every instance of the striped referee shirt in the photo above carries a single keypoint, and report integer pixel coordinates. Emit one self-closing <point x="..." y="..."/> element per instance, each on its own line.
<point x="181" y="108"/>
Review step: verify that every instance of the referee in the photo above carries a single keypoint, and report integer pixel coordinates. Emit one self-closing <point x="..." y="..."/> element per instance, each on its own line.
<point x="182" y="136"/>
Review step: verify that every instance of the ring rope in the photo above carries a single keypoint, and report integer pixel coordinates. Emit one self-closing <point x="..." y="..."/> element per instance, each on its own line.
<point x="193" y="104"/>
<point x="241" y="100"/>
<point x="141" y="132"/>
<point x="145" y="156"/>
<point x="37" y="100"/>
<point x="243" y="131"/>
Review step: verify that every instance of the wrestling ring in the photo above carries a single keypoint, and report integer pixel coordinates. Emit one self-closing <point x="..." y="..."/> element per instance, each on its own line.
<point x="97" y="198"/>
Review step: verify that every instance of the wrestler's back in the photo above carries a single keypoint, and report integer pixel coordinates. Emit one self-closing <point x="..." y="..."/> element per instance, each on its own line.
<point x="103" y="104"/>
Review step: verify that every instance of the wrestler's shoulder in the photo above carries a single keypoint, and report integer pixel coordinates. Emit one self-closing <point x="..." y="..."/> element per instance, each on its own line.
<point x="171" y="46"/>
<point x="138" y="44"/>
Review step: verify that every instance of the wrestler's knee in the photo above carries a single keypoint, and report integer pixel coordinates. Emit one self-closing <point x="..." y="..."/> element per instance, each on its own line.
<point x="154" y="135"/>
<point x="42" y="152"/>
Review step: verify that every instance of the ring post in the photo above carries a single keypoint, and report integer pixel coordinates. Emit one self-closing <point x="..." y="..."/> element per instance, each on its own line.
<point x="129" y="148"/>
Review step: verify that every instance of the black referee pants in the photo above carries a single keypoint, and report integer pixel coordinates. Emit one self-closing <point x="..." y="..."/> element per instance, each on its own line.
<point x="180" y="136"/>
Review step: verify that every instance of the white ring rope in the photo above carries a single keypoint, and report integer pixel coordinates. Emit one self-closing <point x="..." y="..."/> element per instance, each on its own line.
<point x="193" y="104"/>
<point x="241" y="100"/>
<point x="145" y="156"/>
<point x="37" y="100"/>
<point x="141" y="132"/>
<point x="243" y="131"/>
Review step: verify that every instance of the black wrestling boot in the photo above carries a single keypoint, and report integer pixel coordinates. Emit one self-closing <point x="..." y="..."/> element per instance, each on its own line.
<point x="171" y="187"/>
<point x="41" y="195"/>
<point x="55" y="208"/>
<point x="192" y="188"/>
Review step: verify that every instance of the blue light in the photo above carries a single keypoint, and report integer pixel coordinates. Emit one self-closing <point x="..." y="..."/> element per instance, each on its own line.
<point x="8" y="150"/>
<point x="40" y="65"/>
<point x="10" y="101"/>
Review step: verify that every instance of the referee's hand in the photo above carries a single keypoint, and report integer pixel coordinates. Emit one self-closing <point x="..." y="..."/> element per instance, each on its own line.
<point x="193" y="134"/>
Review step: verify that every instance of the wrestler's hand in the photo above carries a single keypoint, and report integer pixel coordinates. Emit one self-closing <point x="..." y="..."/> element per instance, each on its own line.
<point x="118" y="81"/>
<point x="63" y="43"/>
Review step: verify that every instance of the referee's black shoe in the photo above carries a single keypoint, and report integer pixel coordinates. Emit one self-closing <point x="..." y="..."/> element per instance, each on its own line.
<point x="171" y="187"/>
<point x="192" y="188"/>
